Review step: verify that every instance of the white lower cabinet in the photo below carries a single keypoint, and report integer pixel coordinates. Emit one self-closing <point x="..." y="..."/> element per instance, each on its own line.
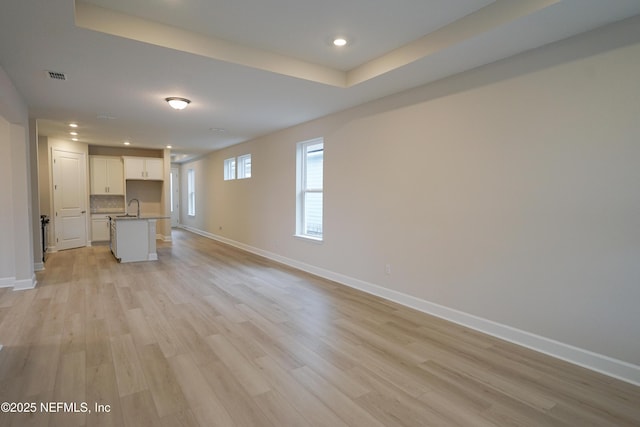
<point x="133" y="239"/>
<point x="99" y="228"/>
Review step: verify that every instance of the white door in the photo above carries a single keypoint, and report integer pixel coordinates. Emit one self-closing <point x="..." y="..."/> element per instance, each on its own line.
<point x="175" y="197"/>
<point x="69" y="199"/>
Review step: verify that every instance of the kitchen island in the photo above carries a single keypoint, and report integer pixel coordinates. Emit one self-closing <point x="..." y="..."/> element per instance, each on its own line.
<point x="133" y="238"/>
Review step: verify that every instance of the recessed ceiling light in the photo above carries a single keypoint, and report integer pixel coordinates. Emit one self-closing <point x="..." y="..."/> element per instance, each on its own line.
<point x="74" y="139"/>
<point x="126" y="143"/>
<point x="178" y="103"/>
<point x="73" y="133"/>
<point x="73" y="125"/>
<point x="169" y="146"/>
<point x="105" y="117"/>
<point x="339" y="42"/>
<point x="217" y="129"/>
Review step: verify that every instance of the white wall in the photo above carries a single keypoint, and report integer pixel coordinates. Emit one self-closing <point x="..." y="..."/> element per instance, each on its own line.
<point x="506" y="196"/>
<point x="23" y="233"/>
<point x="34" y="203"/>
<point x="16" y="244"/>
<point x="44" y="183"/>
<point x="164" y="225"/>
<point x="7" y="257"/>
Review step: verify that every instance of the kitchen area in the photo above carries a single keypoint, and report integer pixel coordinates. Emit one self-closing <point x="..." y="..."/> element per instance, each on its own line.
<point x="126" y="200"/>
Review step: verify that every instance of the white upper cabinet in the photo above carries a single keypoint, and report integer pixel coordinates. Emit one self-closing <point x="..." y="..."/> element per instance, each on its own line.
<point x="107" y="176"/>
<point x="144" y="168"/>
<point x="134" y="168"/>
<point x="154" y="169"/>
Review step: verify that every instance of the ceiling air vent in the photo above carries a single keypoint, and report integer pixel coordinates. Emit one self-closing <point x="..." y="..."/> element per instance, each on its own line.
<point x="54" y="75"/>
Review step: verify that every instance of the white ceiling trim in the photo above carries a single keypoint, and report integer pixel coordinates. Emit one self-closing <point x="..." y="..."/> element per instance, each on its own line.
<point x="119" y="24"/>
<point x="483" y="20"/>
<point x="492" y="16"/>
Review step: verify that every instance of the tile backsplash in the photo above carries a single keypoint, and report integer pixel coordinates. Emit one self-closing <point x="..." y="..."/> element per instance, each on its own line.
<point x="106" y="204"/>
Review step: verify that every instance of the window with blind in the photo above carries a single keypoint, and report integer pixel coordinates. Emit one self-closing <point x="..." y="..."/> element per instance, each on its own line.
<point x="309" y="202"/>
<point x="239" y="167"/>
<point x="230" y="169"/>
<point x="191" y="193"/>
<point x="244" y="166"/>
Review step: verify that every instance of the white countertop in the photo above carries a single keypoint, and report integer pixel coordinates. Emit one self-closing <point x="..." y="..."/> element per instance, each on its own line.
<point x="107" y="212"/>
<point x="138" y="218"/>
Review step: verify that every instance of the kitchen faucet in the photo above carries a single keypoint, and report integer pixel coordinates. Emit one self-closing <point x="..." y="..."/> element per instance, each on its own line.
<point x="138" y="202"/>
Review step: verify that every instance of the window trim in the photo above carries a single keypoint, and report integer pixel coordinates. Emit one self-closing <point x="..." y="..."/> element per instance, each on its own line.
<point x="241" y="167"/>
<point x="191" y="192"/>
<point x="236" y="167"/>
<point x="302" y="190"/>
<point x="230" y="169"/>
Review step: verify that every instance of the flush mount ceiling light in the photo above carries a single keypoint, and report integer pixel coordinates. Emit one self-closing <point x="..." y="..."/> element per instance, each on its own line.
<point x="73" y="125"/>
<point x="339" y="42"/>
<point x="178" y="103"/>
<point x="126" y="143"/>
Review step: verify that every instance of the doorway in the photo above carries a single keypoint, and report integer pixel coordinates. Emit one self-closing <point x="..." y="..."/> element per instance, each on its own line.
<point x="69" y="199"/>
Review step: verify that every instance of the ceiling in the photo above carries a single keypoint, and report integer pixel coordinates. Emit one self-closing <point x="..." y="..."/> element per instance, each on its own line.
<point x="252" y="67"/>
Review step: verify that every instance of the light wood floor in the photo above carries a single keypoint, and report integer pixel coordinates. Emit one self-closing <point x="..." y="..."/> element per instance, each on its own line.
<point x="209" y="335"/>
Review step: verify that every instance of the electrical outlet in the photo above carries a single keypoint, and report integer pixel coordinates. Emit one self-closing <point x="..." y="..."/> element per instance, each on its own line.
<point x="387" y="268"/>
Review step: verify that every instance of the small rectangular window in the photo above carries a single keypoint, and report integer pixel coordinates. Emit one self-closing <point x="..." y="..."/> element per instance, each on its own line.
<point x="171" y="191"/>
<point x="244" y="166"/>
<point x="230" y="169"/>
<point x="191" y="193"/>
<point x="309" y="203"/>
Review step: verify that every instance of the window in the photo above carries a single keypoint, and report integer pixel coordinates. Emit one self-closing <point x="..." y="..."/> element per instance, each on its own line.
<point x="244" y="166"/>
<point x="191" y="193"/>
<point x="309" y="199"/>
<point x="171" y="191"/>
<point x="241" y="165"/>
<point x="230" y="169"/>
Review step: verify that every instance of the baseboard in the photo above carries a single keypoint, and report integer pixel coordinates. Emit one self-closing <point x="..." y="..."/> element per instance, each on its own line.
<point x="24" y="284"/>
<point x="163" y="237"/>
<point x="587" y="359"/>
<point x="38" y="266"/>
<point x="7" y="282"/>
<point x="18" y="285"/>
